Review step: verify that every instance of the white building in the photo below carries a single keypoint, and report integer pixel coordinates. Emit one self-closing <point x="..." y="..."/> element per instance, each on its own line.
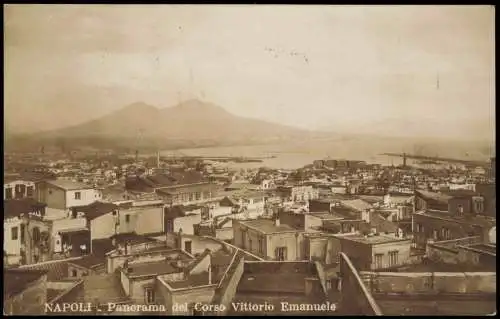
<point x="17" y="189"/>
<point x="61" y="195"/>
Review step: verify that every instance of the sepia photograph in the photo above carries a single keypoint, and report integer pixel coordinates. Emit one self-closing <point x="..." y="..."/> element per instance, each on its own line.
<point x="249" y="160"/>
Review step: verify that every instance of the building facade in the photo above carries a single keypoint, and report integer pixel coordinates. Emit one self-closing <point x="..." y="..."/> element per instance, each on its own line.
<point x="269" y="239"/>
<point x="19" y="189"/>
<point x="26" y="234"/>
<point x="61" y="195"/>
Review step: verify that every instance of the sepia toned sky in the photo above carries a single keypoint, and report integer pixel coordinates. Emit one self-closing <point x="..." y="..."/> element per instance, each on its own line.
<point x="400" y="70"/>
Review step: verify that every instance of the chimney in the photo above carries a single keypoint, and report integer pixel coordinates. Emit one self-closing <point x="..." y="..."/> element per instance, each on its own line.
<point x="179" y="239"/>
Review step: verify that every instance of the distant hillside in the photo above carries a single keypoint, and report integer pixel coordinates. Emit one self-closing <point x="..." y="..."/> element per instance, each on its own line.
<point x="189" y="124"/>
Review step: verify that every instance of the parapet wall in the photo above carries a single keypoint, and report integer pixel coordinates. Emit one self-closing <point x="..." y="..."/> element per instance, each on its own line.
<point x="431" y="282"/>
<point x="356" y="297"/>
<point x="280" y="267"/>
<point x="226" y="290"/>
<point x="458" y="242"/>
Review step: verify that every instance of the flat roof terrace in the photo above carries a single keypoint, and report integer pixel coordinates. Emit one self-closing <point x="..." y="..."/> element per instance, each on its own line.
<point x="374" y="239"/>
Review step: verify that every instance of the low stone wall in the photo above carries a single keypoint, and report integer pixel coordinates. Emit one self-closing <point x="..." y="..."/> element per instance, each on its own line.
<point x="280" y="267"/>
<point x="322" y="276"/>
<point x="356" y="297"/>
<point x="452" y="243"/>
<point x="431" y="282"/>
<point x="225" y="292"/>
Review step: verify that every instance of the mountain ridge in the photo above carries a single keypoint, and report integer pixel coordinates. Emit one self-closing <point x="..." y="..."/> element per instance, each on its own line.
<point x="192" y="122"/>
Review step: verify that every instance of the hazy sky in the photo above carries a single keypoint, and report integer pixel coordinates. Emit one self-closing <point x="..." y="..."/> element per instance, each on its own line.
<point x="396" y="70"/>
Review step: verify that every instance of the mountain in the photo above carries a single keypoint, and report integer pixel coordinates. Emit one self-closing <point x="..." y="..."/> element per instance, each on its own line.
<point x="188" y="124"/>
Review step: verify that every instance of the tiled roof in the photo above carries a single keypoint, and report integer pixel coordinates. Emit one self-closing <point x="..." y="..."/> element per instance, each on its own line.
<point x="100" y="247"/>
<point x="96" y="209"/>
<point x="17" y="280"/>
<point x="132" y="238"/>
<point x="15" y="207"/>
<point x="437" y="197"/>
<point x="357" y="204"/>
<point x="88" y="262"/>
<point x="180" y="210"/>
<point x="68" y="185"/>
<point x="176" y="178"/>
<point x="382" y="224"/>
<point x="56" y="270"/>
<point x="177" y="189"/>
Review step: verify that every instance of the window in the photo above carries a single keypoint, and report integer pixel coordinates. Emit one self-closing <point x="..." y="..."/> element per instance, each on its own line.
<point x="261" y="246"/>
<point x="378" y="261"/>
<point x="22" y="233"/>
<point x="78" y="195"/>
<point x="197" y="195"/>
<point x="393" y="258"/>
<point x="30" y="191"/>
<point x="281" y="253"/>
<point x="8" y="193"/>
<point x="74" y="273"/>
<point x="187" y="246"/>
<point x="460" y="210"/>
<point x="19" y="190"/>
<point x="250" y="244"/>
<point x="15" y="233"/>
<point x="127" y="218"/>
<point x="149" y="295"/>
